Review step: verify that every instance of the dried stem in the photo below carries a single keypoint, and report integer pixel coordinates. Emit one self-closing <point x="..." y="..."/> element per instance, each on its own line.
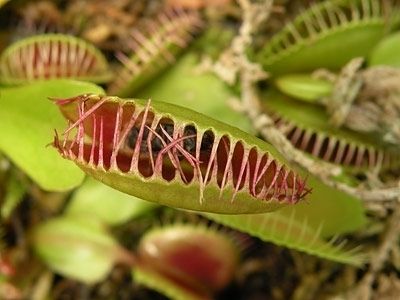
<point x="362" y="103"/>
<point x="347" y="87"/>
<point x="388" y="241"/>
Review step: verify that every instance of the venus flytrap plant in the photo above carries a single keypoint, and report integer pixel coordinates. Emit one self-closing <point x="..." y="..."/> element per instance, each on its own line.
<point x="77" y="244"/>
<point x="306" y="127"/>
<point x="328" y="35"/>
<point x="50" y="56"/>
<point x="354" y="98"/>
<point x="284" y="230"/>
<point x="198" y="163"/>
<point x="180" y="260"/>
<point x="186" y="261"/>
<point x="203" y="92"/>
<point x="154" y="48"/>
<point x="324" y="207"/>
<point x="316" y="220"/>
<point x="175" y="157"/>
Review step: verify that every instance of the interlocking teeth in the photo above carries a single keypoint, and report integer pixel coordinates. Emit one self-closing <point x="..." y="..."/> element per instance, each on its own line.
<point x="52" y="56"/>
<point x="328" y="35"/>
<point x="153" y="48"/>
<point x="111" y="135"/>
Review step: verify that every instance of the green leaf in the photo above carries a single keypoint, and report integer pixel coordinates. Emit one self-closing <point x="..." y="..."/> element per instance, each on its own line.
<point x="327" y="35"/>
<point x="332" y="210"/>
<point x="387" y="52"/>
<point x="205" y="93"/>
<point x="304" y="87"/>
<point x="109" y="205"/>
<point x="304" y="226"/>
<point x="167" y="37"/>
<point x="311" y="123"/>
<point x="14" y="193"/>
<point x="289" y="232"/>
<point x="158" y="283"/>
<point x="27" y="121"/>
<point x="77" y="247"/>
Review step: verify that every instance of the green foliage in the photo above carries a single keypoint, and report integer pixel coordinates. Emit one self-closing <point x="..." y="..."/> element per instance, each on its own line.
<point x="287" y="231"/>
<point x="387" y="52"/>
<point x="327" y="35"/>
<point x="27" y="120"/>
<point x="57" y="56"/>
<point x="304" y="87"/>
<point x="247" y="175"/>
<point x="203" y="92"/>
<point x="14" y="193"/>
<point x="159" y="283"/>
<point x="112" y="207"/>
<point x="316" y="136"/>
<point x="278" y="185"/>
<point x="328" y="210"/>
<point x="156" y="46"/>
<point x="77" y="247"/>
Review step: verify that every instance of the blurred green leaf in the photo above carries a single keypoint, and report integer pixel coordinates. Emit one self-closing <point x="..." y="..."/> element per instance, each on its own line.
<point x="304" y="226"/>
<point x="77" y="247"/>
<point x="183" y="85"/>
<point x="304" y="87"/>
<point x="109" y="205"/>
<point x="14" y="193"/>
<point x="331" y="210"/>
<point x="290" y="232"/>
<point x="28" y="120"/>
<point x="386" y="52"/>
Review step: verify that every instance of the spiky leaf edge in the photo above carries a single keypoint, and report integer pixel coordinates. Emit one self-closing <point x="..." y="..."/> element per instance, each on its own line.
<point x="353" y="151"/>
<point x="323" y="23"/>
<point x="288" y="232"/>
<point x="6" y="72"/>
<point x="109" y="172"/>
<point x="154" y="48"/>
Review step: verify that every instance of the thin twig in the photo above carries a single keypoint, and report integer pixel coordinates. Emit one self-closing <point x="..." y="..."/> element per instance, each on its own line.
<point x="388" y="241"/>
